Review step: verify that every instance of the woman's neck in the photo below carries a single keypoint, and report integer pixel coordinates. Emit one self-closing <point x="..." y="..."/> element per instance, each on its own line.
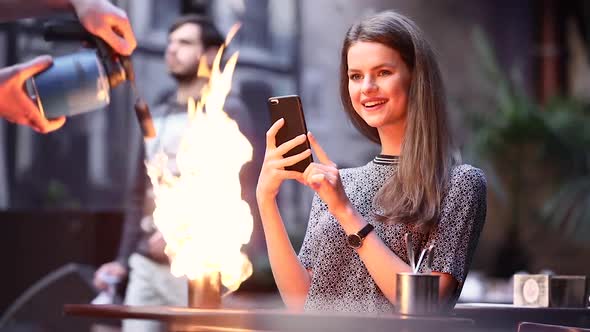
<point x="391" y="140"/>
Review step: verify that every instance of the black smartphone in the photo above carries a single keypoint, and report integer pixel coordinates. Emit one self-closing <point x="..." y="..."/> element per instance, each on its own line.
<point x="290" y="109"/>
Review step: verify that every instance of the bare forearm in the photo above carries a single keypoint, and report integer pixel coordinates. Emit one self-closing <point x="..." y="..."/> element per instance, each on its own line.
<point x="379" y="260"/>
<point x="291" y="277"/>
<point x="17" y="9"/>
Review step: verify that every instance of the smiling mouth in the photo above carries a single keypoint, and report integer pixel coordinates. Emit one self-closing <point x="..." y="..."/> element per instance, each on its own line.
<point x="372" y="104"/>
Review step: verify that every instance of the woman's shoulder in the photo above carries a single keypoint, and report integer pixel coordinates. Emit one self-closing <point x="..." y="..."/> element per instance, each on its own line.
<point x="467" y="175"/>
<point x="362" y="170"/>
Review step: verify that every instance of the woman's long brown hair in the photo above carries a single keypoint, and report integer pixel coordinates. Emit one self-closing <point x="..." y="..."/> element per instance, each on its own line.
<point x="414" y="193"/>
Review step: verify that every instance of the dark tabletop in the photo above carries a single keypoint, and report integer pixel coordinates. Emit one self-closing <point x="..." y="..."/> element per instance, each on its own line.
<point x="187" y="319"/>
<point x="507" y="316"/>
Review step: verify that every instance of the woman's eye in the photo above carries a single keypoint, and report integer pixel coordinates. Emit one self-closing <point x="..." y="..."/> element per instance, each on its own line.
<point x="384" y="73"/>
<point x="354" y="77"/>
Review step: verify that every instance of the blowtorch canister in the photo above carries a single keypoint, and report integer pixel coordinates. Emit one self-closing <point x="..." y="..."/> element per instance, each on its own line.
<point x="81" y="82"/>
<point x="74" y="84"/>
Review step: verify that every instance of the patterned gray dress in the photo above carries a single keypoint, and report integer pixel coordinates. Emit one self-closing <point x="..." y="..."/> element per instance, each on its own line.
<point x="341" y="282"/>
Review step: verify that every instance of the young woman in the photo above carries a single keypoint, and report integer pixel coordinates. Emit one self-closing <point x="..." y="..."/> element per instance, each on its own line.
<point x="392" y="90"/>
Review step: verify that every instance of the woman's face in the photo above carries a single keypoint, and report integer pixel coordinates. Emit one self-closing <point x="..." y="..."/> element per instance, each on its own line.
<point x="378" y="84"/>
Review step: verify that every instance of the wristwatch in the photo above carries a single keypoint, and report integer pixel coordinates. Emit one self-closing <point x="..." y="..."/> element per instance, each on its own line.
<point x="356" y="240"/>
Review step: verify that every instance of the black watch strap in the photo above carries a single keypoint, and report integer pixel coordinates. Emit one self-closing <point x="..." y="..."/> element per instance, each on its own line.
<point x="365" y="231"/>
<point x="356" y="240"/>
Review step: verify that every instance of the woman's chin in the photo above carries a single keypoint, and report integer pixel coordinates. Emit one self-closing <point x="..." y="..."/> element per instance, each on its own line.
<point x="373" y="122"/>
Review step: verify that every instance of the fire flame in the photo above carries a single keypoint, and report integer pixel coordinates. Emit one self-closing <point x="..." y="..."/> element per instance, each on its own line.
<point x="200" y="212"/>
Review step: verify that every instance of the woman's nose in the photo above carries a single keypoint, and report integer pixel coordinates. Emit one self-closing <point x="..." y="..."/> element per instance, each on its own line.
<point x="369" y="85"/>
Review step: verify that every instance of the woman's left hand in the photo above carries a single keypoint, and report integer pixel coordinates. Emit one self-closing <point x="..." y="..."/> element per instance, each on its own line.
<point x="324" y="178"/>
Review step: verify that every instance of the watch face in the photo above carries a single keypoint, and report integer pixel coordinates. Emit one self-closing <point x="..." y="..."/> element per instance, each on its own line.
<point x="354" y="240"/>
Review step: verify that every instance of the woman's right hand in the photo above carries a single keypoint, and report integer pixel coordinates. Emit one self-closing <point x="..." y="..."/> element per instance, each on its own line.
<point x="273" y="171"/>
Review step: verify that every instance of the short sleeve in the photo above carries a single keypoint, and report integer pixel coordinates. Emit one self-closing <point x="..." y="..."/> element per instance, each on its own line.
<point x="308" y="251"/>
<point x="462" y="216"/>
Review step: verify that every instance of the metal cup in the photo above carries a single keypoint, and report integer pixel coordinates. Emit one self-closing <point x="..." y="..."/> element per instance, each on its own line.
<point x="74" y="84"/>
<point x="205" y="292"/>
<point x="417" y="294"/>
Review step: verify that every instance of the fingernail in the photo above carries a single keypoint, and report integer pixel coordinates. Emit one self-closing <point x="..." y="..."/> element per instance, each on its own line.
<point x="43" y="57"/>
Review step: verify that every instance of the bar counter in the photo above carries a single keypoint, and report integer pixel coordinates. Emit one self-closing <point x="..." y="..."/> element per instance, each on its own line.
<point x="188" y="319"/>
<point x="506" y="317"/>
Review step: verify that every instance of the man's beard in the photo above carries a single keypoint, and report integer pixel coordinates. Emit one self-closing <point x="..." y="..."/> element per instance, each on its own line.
<point x="185" y="77"/>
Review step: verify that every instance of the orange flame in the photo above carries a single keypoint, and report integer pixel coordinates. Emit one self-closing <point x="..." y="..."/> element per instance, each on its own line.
<point x="201" y="213"/>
